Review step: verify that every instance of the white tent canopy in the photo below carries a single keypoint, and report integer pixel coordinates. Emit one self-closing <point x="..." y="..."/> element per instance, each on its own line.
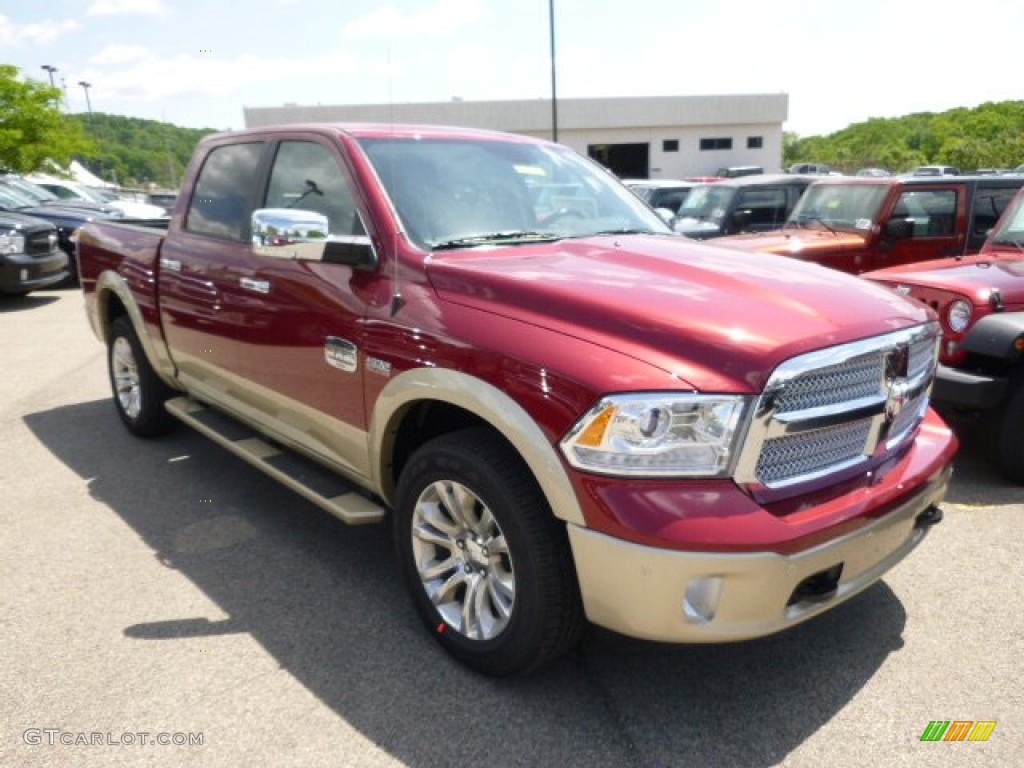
<point x="79" y="174"/>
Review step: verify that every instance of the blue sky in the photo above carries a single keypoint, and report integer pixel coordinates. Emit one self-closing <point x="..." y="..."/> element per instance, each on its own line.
<point x="198" y="62"/>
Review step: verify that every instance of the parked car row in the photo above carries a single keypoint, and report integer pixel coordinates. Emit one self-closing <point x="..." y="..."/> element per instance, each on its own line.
<point x="69" y="191"/>
<point x="955" y="242"/>
<point x="30" y="212"/>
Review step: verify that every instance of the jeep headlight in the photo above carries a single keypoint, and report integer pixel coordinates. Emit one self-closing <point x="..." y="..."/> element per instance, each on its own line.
<point x="958" y="316"/>
<point x="658" y="435"/>
<point x="11" y="242"/>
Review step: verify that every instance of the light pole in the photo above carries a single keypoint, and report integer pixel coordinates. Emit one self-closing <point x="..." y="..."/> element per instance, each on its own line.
<point x="85" y="87"/>
<point x="554" y="92"/>
<point x="50" y="70"/>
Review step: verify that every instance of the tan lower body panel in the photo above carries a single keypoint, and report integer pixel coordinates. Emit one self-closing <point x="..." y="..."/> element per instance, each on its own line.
<point x="705" y="597"/>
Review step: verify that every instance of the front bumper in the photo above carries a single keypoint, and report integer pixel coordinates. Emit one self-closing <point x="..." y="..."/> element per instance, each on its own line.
<point x="20" y="273"/>
<point x="967" y="390"/>
<point x="686" y="596"/>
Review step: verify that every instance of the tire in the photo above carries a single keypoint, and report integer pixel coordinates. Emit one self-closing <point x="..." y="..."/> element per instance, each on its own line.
<point x="487" y="563"/>
<point x="139" y="394"/>
<point x="1009" y="454"/>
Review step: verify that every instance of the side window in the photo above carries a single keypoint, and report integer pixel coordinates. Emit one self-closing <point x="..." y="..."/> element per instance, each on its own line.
<point x="762" y="208"/>
<point x="931" y="211"/>
<point x="220" y="203"/>
<point x="307" y="177"/>
<point x="989" y="204"/>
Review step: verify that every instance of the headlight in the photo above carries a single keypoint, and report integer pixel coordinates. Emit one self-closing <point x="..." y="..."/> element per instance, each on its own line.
<point x="958" y="315"/>
<point x="11" y="243"/>
<point x="658" y="435"/>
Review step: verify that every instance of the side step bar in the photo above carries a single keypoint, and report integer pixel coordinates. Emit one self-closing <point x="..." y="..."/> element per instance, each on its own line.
<point x="304" y="476"/>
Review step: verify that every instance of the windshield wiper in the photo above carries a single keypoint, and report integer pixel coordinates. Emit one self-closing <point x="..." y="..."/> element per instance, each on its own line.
<point x="801" y="220"/>
<point x="623" y="231"/>
<point x="506" y="238"/>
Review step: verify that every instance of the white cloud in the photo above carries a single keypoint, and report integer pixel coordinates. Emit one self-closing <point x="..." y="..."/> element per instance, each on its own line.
<point x="40" y="32"/>
<point x="443" y="19"/>
<point x="152" y="78"/>
<point x="120" y="54"/>
<point x="117" y="7"/>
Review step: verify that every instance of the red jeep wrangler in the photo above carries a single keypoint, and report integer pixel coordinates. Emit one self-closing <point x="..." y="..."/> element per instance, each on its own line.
<point x="980" y="301"/>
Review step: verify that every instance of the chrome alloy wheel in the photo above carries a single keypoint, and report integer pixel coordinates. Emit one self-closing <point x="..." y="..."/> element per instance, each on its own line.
<point x="126" y="377"/>
<point x="463" y="560"/>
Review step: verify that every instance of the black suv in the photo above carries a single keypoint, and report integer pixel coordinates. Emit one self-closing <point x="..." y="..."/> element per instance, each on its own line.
<point x="29" y="256"/>
<point x="745" y="204"/>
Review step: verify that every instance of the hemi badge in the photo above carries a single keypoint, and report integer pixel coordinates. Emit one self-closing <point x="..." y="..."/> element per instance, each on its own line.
<point x="381" y="367"/>
<point x="341" y="354"/>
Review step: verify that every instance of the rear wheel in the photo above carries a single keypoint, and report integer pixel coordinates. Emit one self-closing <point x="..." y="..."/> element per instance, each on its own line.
<point x="139" y="394"/>
<point x="487" y="563"/>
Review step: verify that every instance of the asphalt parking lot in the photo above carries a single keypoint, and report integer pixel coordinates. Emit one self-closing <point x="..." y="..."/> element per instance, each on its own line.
<point x="165" y="588"/>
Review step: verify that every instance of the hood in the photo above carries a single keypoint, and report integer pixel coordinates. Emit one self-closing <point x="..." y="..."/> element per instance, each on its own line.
<point x="20" y="221"/>
<point x="66" y="217"/>
<point x="716" y="320"/>
<point x="796" y="243"/>
<point x="973" y="276"/>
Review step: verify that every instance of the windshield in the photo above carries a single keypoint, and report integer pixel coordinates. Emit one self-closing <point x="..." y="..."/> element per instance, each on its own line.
<point x="707" y="202"/>
<point x="839" y="206"/>
<point x="34" y="191"/>
<point x="462" y="193"/>
<point x="1010" y="229"/>
<point x="12" y="197"/>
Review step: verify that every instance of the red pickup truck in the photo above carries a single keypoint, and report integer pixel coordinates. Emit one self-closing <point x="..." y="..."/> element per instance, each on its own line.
<point x="566" y="411"/>
<point x="861" y="224"/>
<point x="980" y="302"/>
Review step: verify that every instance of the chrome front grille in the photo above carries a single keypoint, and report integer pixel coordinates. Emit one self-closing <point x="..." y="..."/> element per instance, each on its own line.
<point x="789" y="456"/>
<point x="834" y="385"/>
<point x="834" y="409"/>
<point x="41" y="243"/>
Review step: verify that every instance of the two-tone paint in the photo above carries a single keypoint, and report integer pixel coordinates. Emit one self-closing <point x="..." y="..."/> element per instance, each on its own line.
<point x="525" y="340"/>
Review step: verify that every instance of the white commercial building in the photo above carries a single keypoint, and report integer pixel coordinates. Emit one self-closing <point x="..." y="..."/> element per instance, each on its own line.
<point x="638" y="137"/>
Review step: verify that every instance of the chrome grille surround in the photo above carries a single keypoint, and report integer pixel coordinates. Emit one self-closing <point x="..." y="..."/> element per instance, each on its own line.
<point x="836" y="408"/>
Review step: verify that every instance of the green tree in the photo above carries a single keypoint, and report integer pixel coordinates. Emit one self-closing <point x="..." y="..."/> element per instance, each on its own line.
<point x="135" y="151"/>
<point x="990" y="135"/>
<point x="33" y="130"/>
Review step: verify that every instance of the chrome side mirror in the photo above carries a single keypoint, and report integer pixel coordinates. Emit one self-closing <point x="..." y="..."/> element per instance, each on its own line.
<point x="298" y="234"/>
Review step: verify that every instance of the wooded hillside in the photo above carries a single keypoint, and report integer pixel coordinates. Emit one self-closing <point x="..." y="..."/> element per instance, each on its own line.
<point x="132" y="152"/>
<point x="988" y="136"/>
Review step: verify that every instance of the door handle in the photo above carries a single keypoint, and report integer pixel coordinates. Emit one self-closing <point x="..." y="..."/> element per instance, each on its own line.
<point x="171" y="265"/>
<point x="256" y="286"/>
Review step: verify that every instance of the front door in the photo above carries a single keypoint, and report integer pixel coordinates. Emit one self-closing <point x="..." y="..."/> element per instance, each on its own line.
<point x="935" y="225"/>
<point x="301" y="336"/>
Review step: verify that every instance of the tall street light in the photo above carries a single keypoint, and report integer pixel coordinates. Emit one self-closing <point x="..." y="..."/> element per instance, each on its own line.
<point x="50" y="70"/>
<point x="554" y="93"/>
<point x="85" y="87"/>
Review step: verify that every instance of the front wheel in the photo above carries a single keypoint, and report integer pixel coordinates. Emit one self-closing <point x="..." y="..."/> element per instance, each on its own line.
<point x="487" y="563"/>
<point x="1008" y="453"/>
<point x="139" y="394"/>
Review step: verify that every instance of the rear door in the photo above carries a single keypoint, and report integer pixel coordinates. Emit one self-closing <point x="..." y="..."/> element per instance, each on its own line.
<point x="199" y="309"/>
<point x="987" y="205"/>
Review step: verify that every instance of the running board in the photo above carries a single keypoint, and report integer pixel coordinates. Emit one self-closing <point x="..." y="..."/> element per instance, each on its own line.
<point x="324" y="488"/>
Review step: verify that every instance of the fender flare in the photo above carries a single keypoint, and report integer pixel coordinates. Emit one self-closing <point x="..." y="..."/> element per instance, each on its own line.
<point x="489" y="403"/>
<point x="111" y="283"/>
<point x="1000" y="336"/>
